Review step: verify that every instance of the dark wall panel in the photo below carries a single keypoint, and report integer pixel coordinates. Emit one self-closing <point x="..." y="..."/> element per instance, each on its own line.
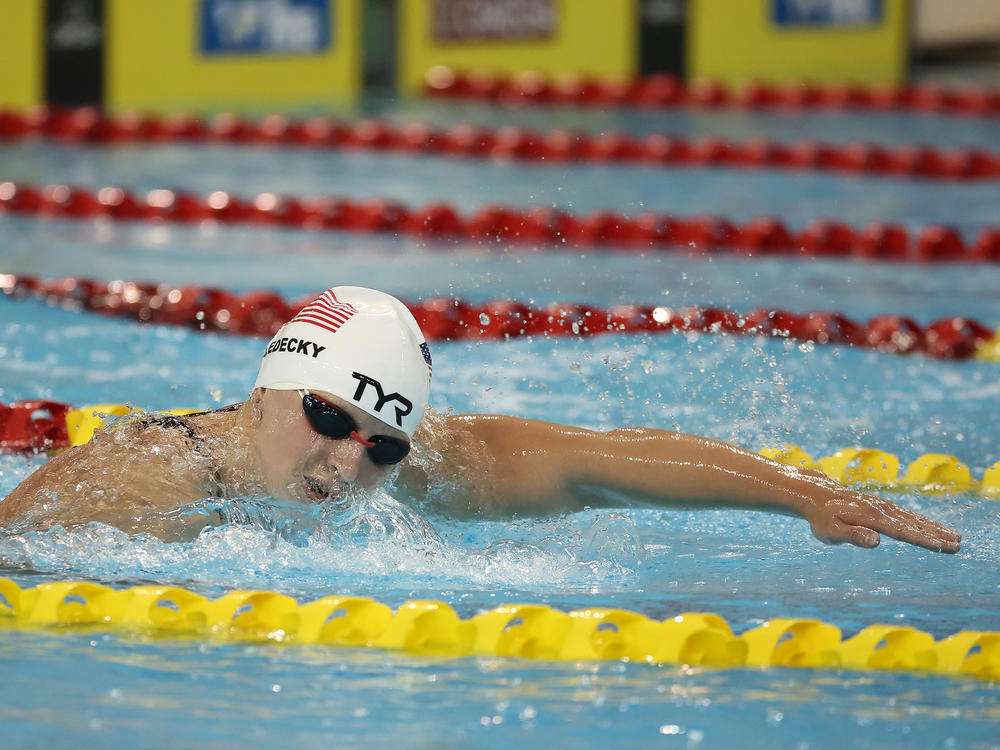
<point x="74" y="52"/>
<point x="661" y="36"/>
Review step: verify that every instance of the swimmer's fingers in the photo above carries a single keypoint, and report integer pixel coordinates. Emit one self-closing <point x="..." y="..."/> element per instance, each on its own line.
<point x="836" y="531"/>
<point x="869" y="514"/>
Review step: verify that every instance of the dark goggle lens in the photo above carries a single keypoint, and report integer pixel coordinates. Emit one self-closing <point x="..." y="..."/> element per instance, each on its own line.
<point x="327" y="419"/>
<point x="331" y="422"/>
<point x="387" y="450"/>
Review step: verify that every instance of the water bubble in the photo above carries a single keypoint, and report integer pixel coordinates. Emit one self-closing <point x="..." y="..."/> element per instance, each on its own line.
<point x="614" y="538"/>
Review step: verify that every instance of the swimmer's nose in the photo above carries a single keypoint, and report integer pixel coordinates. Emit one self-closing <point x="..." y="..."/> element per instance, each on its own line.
<point x="346" y="459"/>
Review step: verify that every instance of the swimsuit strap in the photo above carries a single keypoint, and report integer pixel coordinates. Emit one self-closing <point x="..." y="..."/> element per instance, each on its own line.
<point x="172" y="422"/>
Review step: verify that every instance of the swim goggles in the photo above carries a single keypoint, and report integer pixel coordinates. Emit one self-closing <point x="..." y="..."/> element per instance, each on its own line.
<point x="334" y="423"/>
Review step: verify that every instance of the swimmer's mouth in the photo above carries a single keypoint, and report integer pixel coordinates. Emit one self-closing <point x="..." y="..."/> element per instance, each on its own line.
<point x="315" y="490"/>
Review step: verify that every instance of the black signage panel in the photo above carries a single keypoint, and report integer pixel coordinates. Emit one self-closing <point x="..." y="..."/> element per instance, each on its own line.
<point x="472" y="20"/>
<point x="74" y="52"/>
<point x="661" y="36"/>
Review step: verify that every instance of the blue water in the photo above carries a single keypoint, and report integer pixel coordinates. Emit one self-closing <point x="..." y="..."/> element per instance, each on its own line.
<point x="105" y="690"/>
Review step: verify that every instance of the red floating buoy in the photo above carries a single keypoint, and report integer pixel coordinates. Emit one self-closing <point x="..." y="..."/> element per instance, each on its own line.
<point x="614" y="147"/>
<point x="955" y="338"/>
<point x="827" y="238"/>
<point x="832" y="328"/>
<point x="467" y="140"/>
<point x="894" y="333"/>
<point x="663" y="149"/>
<point x="883" y="241"/>
<point x="441" y="318"/>
<point x="711" y="233"/>
<point x="373" y="134"/>
<point x="566" y="145"/>
<point x="986" y="246"/>
<point x="517" y="143"/>
<point x="657" y="90"/>
<point x="938" y="243"/>
<point x="766" y="235"/>
<point x="434" y="219"/>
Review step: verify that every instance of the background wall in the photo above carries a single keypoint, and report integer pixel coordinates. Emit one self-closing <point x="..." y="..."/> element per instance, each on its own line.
<point x="739" y="41"/>
<point x="21" y="77"/>
<point x="153" y="57"/>
<point x="155" y="63"/>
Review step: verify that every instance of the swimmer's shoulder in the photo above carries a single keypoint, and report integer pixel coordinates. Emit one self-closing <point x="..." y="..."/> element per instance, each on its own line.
<point x="139" y="461"/>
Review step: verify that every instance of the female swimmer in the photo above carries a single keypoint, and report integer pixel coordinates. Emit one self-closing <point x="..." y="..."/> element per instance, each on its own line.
<point x="340" y="395"/>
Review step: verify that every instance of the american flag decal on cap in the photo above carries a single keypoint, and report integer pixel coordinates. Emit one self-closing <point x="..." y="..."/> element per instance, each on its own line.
<point x="426" y="351"/>
<point x="326" y="312"/>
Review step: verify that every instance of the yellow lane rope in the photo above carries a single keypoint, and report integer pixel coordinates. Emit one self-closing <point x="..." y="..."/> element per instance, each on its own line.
<point x="930" y="472"/>
<point x="528" y="631"/>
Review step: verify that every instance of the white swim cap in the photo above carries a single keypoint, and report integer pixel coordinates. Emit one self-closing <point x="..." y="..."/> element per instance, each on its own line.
<point x="359" y="344"/>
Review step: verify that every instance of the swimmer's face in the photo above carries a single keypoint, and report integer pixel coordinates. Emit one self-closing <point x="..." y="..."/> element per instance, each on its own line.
<point x="301" y="465"/>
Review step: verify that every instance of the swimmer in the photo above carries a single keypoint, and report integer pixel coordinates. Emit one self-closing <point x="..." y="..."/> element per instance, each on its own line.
<point x="338" y="407"/>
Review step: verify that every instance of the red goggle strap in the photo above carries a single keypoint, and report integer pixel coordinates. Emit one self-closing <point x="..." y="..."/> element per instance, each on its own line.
<point x="366" y="443"/>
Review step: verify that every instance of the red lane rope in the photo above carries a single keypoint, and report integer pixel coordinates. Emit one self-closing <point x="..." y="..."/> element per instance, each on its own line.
<point x="262" y="313"/>
<point x="666" y="91"/>
<point x="552" y="147"/>
<point x="492" y="224"/>
<point x="33" y="425"/>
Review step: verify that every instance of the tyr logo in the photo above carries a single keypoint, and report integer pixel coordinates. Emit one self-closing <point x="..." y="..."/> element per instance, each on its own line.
<point x="382" y="399"/>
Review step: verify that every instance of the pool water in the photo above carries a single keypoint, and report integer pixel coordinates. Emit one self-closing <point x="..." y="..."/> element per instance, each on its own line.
<point x="107" y="690"/>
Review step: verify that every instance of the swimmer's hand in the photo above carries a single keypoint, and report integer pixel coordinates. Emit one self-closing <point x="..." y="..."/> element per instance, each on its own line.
<point x="839" y="514"/>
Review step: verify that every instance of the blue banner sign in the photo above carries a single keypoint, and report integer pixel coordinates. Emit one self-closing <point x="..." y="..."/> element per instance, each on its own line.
<point x="262" y="27"/>
<point x="827" y="12"/>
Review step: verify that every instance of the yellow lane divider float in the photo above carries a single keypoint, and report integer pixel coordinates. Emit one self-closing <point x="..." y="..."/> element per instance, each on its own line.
<point x="527" y="631"/>
<point x="990" y="350"/>
<point x="931" y="472"/>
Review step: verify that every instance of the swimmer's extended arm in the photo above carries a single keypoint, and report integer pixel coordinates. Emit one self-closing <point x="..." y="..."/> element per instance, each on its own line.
<point x="535" y="466"/>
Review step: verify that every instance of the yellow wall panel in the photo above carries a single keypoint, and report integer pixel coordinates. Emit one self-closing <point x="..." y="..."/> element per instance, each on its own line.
<point x="21" y="53"/>
<point x="591" y="36"/>
<point x="154" y="63"/>
<point x="736" y="41"/>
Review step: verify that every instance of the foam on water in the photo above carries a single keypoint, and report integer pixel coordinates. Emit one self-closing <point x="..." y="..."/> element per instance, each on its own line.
<point x="369" y="544"/>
